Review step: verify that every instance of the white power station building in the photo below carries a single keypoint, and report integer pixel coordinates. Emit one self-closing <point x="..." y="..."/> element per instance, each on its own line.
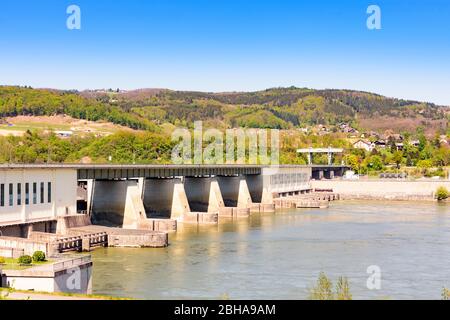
<point x="31" y="194"/>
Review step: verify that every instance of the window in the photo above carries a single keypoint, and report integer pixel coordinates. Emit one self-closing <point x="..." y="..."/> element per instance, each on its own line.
<point x="42" y="192"/>
<point x="19" y="194"/>
<point x="34" y="192"/>
<point x="11" y="195"/>
<point x="2" y="195"/>
<point x="27" y="193"/>
<point x="49" y="192"/>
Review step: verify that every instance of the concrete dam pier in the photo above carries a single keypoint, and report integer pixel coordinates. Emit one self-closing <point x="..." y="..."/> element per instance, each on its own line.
<point x="159" y="204"/>
<point x="158" y="198"/>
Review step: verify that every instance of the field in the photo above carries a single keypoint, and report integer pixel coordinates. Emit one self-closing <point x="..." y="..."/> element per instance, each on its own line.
<point x="17" y="126"/>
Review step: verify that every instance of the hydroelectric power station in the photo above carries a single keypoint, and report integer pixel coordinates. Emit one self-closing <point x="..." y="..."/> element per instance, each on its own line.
<point x="58" y="208"/>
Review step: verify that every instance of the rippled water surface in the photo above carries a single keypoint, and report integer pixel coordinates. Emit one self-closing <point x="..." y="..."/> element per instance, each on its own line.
<point x="279" y="256"/>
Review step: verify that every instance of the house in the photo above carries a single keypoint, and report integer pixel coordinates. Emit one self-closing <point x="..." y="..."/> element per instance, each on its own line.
<point x="346" y="128"/>
<point x="304" y="130"/>
<point x="399" y="146"/>
<point x="64" y="134"/>
<point x="394" y="136"/>
<point x="364" y="144"/>
<point x="380" y="144"/>
<point x="372" y="134"/>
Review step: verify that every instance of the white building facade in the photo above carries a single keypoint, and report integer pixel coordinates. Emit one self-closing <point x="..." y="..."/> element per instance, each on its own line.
<point x="365" y="145"/>
<point x="35" y="194"/>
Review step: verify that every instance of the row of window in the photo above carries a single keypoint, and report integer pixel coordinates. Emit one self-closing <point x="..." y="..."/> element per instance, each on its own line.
<point x="7" y="192"/>
<point x="288" y="178"/>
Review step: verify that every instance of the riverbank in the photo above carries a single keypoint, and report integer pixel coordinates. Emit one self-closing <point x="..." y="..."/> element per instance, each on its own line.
<point x="402" y="190"/>
<point x="10" y="294"/>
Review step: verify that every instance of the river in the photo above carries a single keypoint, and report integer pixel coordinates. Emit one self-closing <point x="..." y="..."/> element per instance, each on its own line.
<point x="279" y="256"/>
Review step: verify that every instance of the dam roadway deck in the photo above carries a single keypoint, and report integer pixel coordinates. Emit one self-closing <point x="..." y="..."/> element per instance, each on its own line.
<point x="119" y="171"/>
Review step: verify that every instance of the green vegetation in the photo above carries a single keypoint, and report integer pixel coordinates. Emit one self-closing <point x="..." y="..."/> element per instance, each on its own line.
<point x="155" y="148"/>
<point x="442" y="193"/>
<point x="16" y="264"/>
<point x="2" y="260"/>
<point x="25" y="260"/>
<point x="26" y="101"/>
<point x="445" y="294"/>
<point x="272" y="108"/>
<point x="38" y="256"/>
<point x="123" y="147"/>
<point x="6" y="294"/>
<point x="157" y="112"/>
<point x="323" y="289"/>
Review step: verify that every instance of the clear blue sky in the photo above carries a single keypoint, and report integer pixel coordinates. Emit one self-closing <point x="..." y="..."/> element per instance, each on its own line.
<point x="229" y="45"/>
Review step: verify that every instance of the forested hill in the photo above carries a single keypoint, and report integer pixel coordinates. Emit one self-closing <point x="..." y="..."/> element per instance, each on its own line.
<point x="273" y="108"/>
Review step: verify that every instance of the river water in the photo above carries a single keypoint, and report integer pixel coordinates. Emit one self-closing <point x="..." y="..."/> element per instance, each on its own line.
<point x="279" y="256"/>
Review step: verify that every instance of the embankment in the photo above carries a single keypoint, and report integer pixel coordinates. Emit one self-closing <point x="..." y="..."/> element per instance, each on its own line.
<point x="382" y="189"/>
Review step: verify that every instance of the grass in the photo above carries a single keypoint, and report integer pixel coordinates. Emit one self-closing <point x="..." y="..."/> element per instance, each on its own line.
<point x="22" y="127"/>
<point x="11" y="264"/>
<point x="8" y="291"/>
<point x="31" y="125"/>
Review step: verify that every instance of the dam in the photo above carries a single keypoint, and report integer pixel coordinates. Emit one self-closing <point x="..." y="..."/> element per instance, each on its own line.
<point x="58" y="198"/>
<point x="59" y="209"/>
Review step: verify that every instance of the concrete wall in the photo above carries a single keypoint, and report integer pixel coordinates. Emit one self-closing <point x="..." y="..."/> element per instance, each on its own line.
<point x="158" y="197"/>
<point x="11" y="253"/>
<point x="74" y="221"/>
<point x="21" y="230"/>
<point x="134" y="207"/>
<point x="165" y="198"/>
<point x="197" y="192"/>
<point x="235" y="191"/>
<point x="229" y="186"/>
<point x="108" y="205"/>
<point x="63" y="197"/>
<point x="281" y="180"/>
<point x="255" y="184"/>
<point x="118" y="204"/>
<point x="28" y="246"/>
<point x="382" y="189"/>
<point x="40" y="284"/>
<point x="77" y="280"/>
<point x="203" y="194"/>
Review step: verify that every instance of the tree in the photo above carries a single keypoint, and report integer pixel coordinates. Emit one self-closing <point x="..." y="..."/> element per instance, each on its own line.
<point x="442" y="193"/>
<point x="445" y="294"/>
<point x="392" y="145"/>
<point x="323" y="289"/>
<point x="441" y="157"/>
<point x="373" y="163"/>
<point x="343" y="289"/>
<point x="353" y="161"/>
<point x="398" y="158"/>
<point x="422" y="141"/>
<point x="437" y="140"/>
<point x="424" y="164"/>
